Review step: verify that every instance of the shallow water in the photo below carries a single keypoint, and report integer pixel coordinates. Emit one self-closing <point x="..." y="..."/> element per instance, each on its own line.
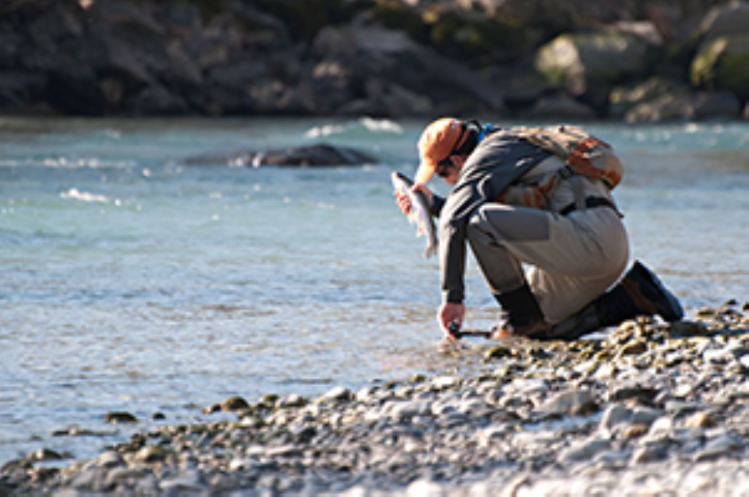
<point x="132" y="281"/>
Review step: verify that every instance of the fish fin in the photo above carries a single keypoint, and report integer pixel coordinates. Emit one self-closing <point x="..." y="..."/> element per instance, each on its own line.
<point x="430" y="251"/>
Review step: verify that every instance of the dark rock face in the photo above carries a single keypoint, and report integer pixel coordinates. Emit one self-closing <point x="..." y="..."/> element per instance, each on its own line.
<point x="515" y="58"/>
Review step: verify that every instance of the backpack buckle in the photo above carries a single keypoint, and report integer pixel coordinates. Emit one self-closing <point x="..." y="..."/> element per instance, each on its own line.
<point x="567" y="172"/>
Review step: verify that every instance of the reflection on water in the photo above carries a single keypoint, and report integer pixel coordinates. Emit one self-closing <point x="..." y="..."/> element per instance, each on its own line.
<point x="133" y="282"/>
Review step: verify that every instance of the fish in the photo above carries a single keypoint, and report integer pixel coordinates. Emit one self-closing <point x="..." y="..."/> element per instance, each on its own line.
<point x="419" y="213"/>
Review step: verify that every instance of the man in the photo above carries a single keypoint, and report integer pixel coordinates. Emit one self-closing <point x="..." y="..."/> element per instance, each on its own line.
<point x="573" y="242"/>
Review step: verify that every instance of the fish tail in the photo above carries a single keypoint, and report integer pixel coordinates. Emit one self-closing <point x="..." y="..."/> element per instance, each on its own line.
<point x="430" y="251"/>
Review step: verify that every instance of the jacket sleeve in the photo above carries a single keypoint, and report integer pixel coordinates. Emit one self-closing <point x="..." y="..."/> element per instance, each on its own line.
<point x="437" y="203"/>
<point x="460" y="204"/>
<point x="493" y="166"/>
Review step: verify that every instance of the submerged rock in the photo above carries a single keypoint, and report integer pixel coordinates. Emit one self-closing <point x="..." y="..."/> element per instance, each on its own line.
<point x="120" y="417"/>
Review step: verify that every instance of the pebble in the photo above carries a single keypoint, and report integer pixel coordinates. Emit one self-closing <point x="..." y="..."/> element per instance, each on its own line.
<point x="652" y="409"/>
<point x="584" y="451"/>
<point x="572" y="402"/>
<point x="336" y="394"/>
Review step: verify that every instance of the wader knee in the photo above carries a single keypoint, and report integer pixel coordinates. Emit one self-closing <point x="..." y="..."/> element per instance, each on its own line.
<point x="639" y="293"/>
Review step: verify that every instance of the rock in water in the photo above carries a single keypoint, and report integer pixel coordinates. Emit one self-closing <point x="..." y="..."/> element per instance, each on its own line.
<point x="319" y="155"/>
<point x="120" y="417"/>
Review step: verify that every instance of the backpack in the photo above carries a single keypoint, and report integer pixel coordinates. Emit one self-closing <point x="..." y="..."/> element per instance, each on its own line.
<point x="583" y="155"/>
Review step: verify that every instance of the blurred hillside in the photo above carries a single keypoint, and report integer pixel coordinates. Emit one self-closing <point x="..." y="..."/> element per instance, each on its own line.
<point x="638" y="60"/>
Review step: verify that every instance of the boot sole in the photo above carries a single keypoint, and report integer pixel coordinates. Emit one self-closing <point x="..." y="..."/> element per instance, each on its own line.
<point x="665" y="302"/>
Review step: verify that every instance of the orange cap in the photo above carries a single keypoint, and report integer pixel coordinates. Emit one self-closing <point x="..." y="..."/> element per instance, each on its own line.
<point x="437" y="141"/>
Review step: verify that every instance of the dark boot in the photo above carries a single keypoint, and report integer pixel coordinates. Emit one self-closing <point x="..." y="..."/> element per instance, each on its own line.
<point x="639" y="293"/>
<point x="521" y="314"/>
<point x="649" y="295"/>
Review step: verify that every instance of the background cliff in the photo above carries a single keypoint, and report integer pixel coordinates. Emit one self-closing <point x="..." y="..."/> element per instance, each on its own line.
<point x="632" y="59"/>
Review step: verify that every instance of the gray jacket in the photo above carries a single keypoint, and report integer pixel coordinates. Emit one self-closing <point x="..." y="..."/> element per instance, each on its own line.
<point x="497" y="161"/>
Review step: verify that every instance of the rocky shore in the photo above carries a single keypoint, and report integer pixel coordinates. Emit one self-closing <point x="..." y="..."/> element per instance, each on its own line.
<point x="651" y="409"/>
<point x="636" y="60"/>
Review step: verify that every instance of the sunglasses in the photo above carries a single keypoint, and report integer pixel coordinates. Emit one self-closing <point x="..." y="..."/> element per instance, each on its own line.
<point x="443" y="167"/>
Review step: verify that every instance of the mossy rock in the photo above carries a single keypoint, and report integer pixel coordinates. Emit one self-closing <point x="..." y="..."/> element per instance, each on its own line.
<point x="464" y="35"/>
<point x="606" y="57"/>
<point x="723" y="63"/>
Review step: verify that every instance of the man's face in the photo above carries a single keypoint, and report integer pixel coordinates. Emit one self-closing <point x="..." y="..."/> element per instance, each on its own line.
<point x="452" y="174"/>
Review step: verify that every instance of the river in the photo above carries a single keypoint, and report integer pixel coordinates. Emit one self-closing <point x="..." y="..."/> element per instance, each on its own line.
<point x="132" y="281"/>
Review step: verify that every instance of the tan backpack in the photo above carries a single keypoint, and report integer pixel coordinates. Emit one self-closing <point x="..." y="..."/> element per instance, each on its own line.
<point x="583" y="155"/>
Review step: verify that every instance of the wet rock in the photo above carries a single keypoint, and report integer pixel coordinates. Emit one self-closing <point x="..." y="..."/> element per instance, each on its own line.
<point x="186" y="483"/>
<point x="408" y="409"/>
<point x="614" y="415"/>
<point x="648" y="453"/>
<point x="445" y="382"/>
<point x="640" y="394"/>
<point x="235" y="403"/>
<point x="90" y="479"/>
<point x="46" y="455"/>
<point x="687" y="329"/>
<point x="336" y="394"/>
<point x="718" y="446"/>
<point x="584" y="451"/>
<point x="425" y="488"/>
<point x="117" y="417"/>
<point x="320" y="155"/>
<point x="635" y="431"/>
<point x="291" y="401"/>
<point x="699" y="420"/>
<point x="110" y="459"/>
<point x="150" y="454"/>
<point x="631" y="422"/>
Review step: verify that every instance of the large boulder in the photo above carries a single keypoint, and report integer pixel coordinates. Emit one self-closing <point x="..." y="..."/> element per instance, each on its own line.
<point x="723" y="63"/>
<point x="383" y="62"/>
<point x="466" y="35"/>
<point x="579" y="60"/>
<point x="725" y="20"/>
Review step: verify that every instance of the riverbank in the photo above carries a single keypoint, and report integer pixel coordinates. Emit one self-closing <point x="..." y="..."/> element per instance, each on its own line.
<point x="640" y="61"/>
<point x="651" y="408"/>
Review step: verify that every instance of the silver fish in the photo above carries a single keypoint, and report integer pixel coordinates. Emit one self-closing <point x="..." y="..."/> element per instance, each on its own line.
<point x="419" y="213"/>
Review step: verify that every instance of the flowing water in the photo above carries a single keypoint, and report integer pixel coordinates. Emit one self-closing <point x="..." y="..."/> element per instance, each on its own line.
<point x="133" y="280"/>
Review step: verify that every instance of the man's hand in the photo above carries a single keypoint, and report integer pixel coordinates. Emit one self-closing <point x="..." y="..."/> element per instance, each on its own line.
<point x="448" y="314"/>
<point x="404" y="201"/>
